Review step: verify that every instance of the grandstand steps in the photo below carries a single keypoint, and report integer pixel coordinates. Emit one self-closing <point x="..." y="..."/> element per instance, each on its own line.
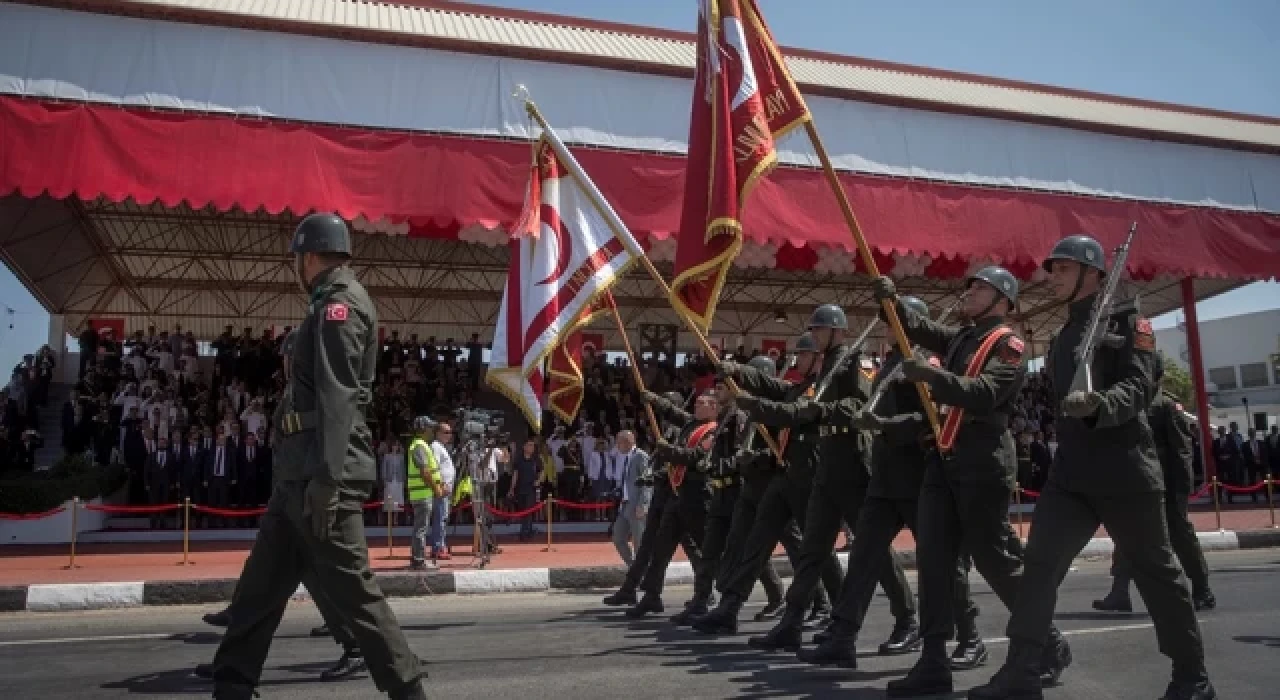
<point x="50" y="426"/>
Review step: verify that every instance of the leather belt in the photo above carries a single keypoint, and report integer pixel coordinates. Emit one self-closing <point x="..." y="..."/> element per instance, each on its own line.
<point x="293" y="423"/>
<point x="829" y="430"/>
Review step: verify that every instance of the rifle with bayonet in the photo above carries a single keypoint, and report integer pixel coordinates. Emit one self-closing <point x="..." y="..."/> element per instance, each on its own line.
<point x="1095" y="332"/>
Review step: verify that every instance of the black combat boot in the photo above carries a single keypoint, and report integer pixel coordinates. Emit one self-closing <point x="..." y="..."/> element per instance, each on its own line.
<point x="930" y="676"/>
<point x="650" y="603"/>
<point x="351" y="663"/>
<point x="1055" y="659"/>
<point x="722" y="620"/>
<point x="218" y="619"/>
<point x="321" y="631"/>
<point x="624" y="596"/>
<point x="1190" y="682"/>
<point x="784" y="635"/>
<point x="694" y="609"/>
<point x="1017" y="679"/>
<point x="970" y="651"/>
<point x="1117" y="600"/>
<point x="412" y="691"/>
<point x="904" y="639"/>
<point x="1204" y="600"/>
<point x="819" y="613"/>
<point x="771" y="610"/>
<point x="837" y="649"/>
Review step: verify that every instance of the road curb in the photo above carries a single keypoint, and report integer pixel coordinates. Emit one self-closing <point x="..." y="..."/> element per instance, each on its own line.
<point x="406" y="584"/>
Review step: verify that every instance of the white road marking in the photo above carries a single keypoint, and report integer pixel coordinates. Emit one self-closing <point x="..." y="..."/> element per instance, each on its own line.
<point x="1087" y="630"/>
<point x="77" y="640"/>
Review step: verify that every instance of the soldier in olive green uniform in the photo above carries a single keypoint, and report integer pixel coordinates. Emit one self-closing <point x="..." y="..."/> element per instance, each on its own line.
<point x="1105" y="472"/>
<point x="897" y="471"/>
<point x="968" y="480"/>
<point x="324" y="472"/>
<point x="1172" y="432"/>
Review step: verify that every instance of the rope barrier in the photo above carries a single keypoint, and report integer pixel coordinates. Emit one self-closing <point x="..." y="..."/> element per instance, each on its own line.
<point x="1029" y="492"/>
<point x="229" y="513"/>
<point x="519" y="514"/>
<point x="574" y="505"/>
<point x="1204" y="491"/>
<point x="374" y="506"/>
<point x="32" y="516"/>
<point x="1243" y="489"/>
<point x="139" y="510"/>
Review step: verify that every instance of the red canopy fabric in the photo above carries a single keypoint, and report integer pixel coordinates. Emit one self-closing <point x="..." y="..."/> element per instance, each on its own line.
<point x="440" y="184"/>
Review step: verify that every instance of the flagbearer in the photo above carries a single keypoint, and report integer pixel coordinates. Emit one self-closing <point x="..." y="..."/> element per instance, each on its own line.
<point x="1105" y="472"/>
<point x="969" y="476"/>
<point x="686" y="513"/>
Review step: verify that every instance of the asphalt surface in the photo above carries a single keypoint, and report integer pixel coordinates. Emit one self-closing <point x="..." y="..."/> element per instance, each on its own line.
<point x="565" y="646"/>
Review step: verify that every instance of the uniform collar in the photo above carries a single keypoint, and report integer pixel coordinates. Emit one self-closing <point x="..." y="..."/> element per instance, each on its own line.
<point x="1081" y="308"/>
<point x="985" y="324"/>
<point x="320" y="285"/>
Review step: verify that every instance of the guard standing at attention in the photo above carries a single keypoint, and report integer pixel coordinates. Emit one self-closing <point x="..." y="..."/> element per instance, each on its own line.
<point x="969" y="475"/>
<point x="324" y="466"/>
<point x="684" y="515"/>
<point x="1105" y="472"/>
<point x="1172" y="432"/>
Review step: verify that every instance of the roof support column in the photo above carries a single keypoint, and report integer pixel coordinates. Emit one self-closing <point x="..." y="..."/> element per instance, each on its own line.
<point x="1197" y="376"/>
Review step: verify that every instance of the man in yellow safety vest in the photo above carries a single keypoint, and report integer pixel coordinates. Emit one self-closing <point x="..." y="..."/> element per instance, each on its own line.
<point x="424" y="484"/>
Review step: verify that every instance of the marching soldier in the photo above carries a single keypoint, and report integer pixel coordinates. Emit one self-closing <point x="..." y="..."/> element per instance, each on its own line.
<point x="897" y="471"/>
<point x="1105" y="472"/>
<point x="683" y="515"/>
<point x="1172" y="433"/>
<point x="969" y="475"/>
<point x="669" y="404"/>
<point x="754" y="467"/>
<point x="840" y="481"/>
<point x="324" y="472"/>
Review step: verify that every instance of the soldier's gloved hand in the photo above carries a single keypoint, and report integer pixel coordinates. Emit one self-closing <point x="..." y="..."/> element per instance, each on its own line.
<point x="320" y="507"/>
<point x="1081" y="404"/>
<point x="868" y="420"/>
<point x="884" y="289"/>
<point x="649" y="397"/>
<point x="728" y="369"/>
<point x="917" y="369"/>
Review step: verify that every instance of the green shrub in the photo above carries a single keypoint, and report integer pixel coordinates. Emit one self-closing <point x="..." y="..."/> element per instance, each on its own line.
<point x="73" y="475"/>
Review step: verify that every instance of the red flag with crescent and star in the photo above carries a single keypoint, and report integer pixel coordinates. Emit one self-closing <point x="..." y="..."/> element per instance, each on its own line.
<point x="743" y="100"/>
<point x="566" y="253"/>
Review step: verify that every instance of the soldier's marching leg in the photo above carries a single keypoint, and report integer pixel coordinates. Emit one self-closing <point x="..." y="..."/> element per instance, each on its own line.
<point x="342" y="570"/>
<point x="970" y="651"/>
<point x="939" y="531"/>
<point x="724" y="618"/>
<point x="817" y="562"/>
<point x="1062" y="526"/>
<point x="626" y="595"/>
<point x="1136" y="523"/>
<point x="714" y="527"/>
<point x="352" y="660"/>
<point x="668" y="537"/>
<point x="773" y="519"/>
<point x="1117" y="600"/>
<point x="1182" y="536"/>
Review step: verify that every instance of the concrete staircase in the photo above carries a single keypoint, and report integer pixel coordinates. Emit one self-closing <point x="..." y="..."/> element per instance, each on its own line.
<point x="50" y="426"/>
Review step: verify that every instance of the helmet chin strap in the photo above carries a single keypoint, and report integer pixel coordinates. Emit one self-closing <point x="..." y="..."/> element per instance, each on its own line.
<point x="1075" y="291"/>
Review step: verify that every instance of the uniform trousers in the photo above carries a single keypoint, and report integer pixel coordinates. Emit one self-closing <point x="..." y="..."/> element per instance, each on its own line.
<point x="684" y="518"/>
<point x="282" y="554"/>
<point x="744" y="517"/>
<point x="662" y="495"/>
<point x="1063" y="524"/>
<point x="1182" y="537"/>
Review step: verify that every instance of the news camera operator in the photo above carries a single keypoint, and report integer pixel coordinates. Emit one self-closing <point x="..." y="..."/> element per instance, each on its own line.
<point x="480" y="440"/>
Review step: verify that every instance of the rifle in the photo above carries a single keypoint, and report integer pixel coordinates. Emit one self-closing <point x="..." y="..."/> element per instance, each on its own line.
<point x="1102" y="308"/>
<point x="847" y="354"/>
<point x="896" y="373"/>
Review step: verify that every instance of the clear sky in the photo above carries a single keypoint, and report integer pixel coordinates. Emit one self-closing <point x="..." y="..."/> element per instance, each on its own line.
<point x="1221" y="54"/>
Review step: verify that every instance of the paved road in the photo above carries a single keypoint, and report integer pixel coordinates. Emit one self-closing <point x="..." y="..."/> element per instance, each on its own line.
<point x="567" y="646"/>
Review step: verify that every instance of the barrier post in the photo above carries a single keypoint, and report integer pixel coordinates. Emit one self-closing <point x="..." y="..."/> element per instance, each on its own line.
<point x="1271" y="504"/>
<point x="75" y="523"/>
<point x="1017" y="499"/>
<point x="391" y="550"/>
<point x="549" y="548"/>
<point x="1217" y="505"/>
<point x="186" y="531"/>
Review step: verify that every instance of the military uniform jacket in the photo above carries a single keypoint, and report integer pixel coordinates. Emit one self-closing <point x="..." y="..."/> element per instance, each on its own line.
<point x="731" y="430"/>
<point x="846" y="450"/>
<point x="777" y="409"/>
<point x="1112" y="450"/>
<point x="983" y="448"/>
<point x="897" y="452"/>
<point x="1172" y="432"/>
<point x="677" y="452"/>
<point x="321" y="420"/>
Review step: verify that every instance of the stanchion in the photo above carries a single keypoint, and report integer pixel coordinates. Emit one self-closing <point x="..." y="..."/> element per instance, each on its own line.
<point x="1217" y="504"/>
<point x="391" y="542"/>
<point x="1017" y="500"/>
<point x="548" y="548"/>
<point x="186" y="532"/>
<point x="1271" y="504"/>
<point x="75" y="529"/>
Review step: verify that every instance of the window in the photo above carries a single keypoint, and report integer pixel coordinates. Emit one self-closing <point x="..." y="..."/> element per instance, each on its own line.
<point x="1254" y="374"/>
<point x="1223" y="377"/>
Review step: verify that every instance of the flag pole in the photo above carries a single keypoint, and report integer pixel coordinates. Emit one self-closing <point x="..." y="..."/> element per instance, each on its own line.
<point x="869" y="262"/>
<point x="611" y="216"/>
<point x="635" y="371"/>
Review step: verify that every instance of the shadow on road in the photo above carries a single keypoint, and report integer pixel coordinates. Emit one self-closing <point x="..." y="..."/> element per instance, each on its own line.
<point x="1264" y="641"/>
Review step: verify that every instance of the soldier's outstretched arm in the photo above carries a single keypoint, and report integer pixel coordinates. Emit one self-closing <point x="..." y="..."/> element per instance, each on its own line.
<point x="780" y="414"/>
<point x="757" y="383"/>
<point x="1136" y="387"/>
<point x="340" y="344"/>
<point x="666" y="410"/>
<point x="924" y="331"/>
<point x="1000" y="378"/>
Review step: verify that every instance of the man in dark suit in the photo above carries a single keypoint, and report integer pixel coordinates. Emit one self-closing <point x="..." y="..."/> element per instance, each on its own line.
<point x="221" y="474"/>
<point x="264" y="475"/>
<point x="250" y="459"/>
<point x="1226" y="455"/>
<point x="161" y="467"/>
<point x="1253" y="451"/>
<point x="134" y="450"/>
<point x="191" y="468"/>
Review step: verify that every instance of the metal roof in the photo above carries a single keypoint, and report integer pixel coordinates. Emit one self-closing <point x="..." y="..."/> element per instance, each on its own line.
<point x="536" y="36"/>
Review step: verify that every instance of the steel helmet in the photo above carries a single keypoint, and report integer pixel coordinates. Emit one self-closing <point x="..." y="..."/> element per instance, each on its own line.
<point x="1080" y="248"/>
<point x="916" y="304"/>
<point x="421" y="424"/>
<point x="1000" y="278"/>
<point x="765" y="364"/>
<point x="321" y="233"/>
<point x="805" y="343"/>
<point x="828" y="316"/>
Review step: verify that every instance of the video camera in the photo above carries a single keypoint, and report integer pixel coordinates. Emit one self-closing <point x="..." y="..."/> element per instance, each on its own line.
<point x="481" y="424"/>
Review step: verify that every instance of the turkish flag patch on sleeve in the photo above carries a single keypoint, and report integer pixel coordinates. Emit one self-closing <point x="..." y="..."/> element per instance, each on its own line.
<point x="1144" y="338"/>
<point x="336" y="311"/>
<point x="1011" y="353"/>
